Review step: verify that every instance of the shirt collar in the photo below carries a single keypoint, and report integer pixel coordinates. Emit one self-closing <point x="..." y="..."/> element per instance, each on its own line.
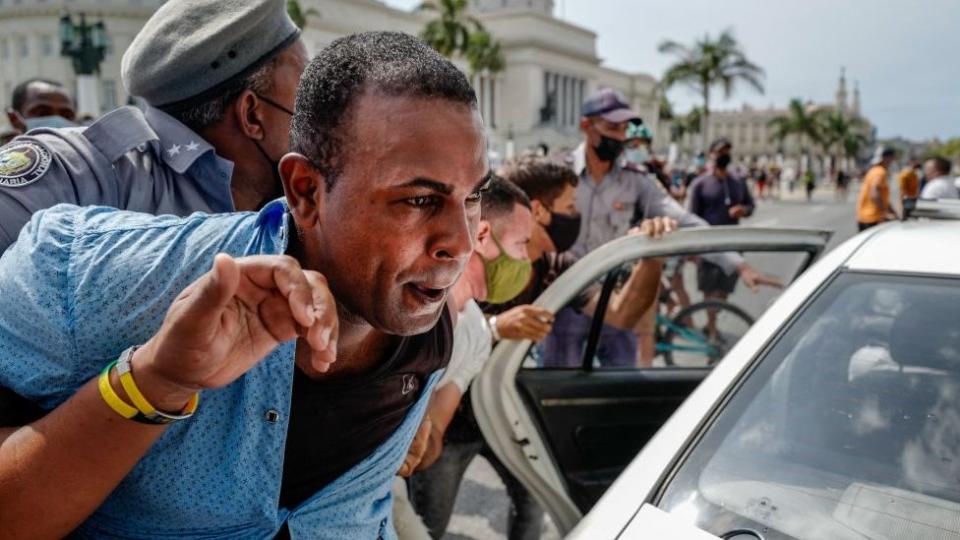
<point x="179" y="145"/>
<point x="579" y="160"/>
<point x="275" y="221"/>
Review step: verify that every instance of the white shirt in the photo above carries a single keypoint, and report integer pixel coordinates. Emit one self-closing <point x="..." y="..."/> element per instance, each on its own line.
<point x="471" y="347"/>
<point x="940" y="188"/>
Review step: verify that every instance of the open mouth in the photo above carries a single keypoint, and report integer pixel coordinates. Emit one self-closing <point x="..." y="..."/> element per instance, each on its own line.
<point x="428" y="294"/>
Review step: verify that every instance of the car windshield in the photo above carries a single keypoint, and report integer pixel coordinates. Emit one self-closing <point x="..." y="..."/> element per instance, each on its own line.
<point x="849" y="426"/>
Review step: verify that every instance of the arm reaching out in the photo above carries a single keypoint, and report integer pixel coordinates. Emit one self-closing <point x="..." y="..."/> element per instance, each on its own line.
<point x="628" y="305"/>
<point x="216" y="330"/>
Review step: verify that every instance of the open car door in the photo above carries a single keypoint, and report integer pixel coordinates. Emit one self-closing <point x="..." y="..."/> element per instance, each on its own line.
<point x="566" y="433"/>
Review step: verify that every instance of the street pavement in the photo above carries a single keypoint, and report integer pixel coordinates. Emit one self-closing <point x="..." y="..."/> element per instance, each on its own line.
<point x="482" y="505"/>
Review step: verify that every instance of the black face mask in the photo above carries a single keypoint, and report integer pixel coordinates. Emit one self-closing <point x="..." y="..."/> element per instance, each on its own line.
<point x="722" y="161"/>
<point x="608" y="149"/>
<point x="274" y="164"/>
<point x="563" y="230"/>
<point x="277" y="181"/>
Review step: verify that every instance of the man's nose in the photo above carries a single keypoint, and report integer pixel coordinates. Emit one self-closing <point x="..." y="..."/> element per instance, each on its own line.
<point x="455" y="241"/>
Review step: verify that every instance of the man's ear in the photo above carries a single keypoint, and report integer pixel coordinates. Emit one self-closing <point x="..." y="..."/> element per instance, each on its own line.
<point x="540" y="213"/>
<point x="585" y="124"/>
<point x="16" y="121"/>
<point x="249" y="113"/>
<point x="305" y="189"/>
<point x="484" y="237"/>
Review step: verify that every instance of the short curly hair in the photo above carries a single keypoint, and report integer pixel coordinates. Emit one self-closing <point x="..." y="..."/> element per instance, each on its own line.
<point x="393" y="63"/>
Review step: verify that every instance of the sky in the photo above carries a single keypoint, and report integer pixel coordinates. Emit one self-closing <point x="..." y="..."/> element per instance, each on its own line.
<point x="905" y="54"/>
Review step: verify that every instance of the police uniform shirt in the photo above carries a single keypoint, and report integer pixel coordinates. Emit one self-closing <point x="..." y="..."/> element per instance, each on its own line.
<point x="624" y="197"/>
<point x="144" y="161"/>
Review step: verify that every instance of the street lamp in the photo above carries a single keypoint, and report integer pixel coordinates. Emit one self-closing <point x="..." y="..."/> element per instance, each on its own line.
<point x="86" y="45"/>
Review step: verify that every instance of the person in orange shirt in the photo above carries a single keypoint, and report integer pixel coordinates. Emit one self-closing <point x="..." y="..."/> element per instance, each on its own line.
<point x="873" y="204"/>
<point x="909" y="181"/>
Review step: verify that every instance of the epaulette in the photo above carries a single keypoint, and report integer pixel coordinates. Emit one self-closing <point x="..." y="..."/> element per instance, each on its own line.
<point x="119" y="132"/>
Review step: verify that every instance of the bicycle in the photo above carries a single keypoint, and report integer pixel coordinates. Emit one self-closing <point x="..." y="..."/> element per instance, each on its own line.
<point x="683" y="339"/>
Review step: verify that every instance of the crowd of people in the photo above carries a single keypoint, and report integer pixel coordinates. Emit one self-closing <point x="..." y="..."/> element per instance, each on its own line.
<point x="254" y="307"/>
<point x="930" y="180"/>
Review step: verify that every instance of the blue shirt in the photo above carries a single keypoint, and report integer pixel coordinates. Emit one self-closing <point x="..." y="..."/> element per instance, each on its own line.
<point x="132" y="160"/>
<point x="83" y="284"/>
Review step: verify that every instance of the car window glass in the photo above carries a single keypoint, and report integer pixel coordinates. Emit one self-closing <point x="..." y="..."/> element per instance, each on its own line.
<point x="686" y="327"/>
<point x="849" y="428"/>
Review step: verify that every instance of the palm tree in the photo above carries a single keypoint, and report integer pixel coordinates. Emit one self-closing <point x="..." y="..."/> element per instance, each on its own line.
<point x="688" y="123"/>
<point x="709" y="63"/>
<point x="840" y="133"/>
<point x="454" y="32"/>
<point x="298" y="15"/>
<point x="665" y="108"/>
<point x="799" y="121"/>
<point x="852" y="143"/>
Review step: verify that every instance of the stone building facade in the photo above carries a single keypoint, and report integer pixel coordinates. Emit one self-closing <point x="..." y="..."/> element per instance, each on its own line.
<point x="551" y="65"/>
<point x="749" y="130"/>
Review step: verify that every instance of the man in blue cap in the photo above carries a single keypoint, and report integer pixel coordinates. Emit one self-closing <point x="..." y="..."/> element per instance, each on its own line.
<point x="613" y="195"/>
<point x="314" y="329"/>
<point x="219" y="79"/>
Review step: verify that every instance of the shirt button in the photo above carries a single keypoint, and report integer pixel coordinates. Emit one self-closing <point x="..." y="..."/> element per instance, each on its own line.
<point x="272" y="416"/>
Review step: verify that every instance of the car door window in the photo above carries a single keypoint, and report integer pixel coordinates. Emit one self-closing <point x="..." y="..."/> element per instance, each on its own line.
<point x="691" y="324"/>
<point x="568" y="432"/>
<point x="848" y="428"/>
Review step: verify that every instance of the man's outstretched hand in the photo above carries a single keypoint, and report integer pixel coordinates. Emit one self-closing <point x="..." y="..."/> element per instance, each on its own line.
<point x="655" y="227"/>
<point x="525" y="322"/>
<point x="231" y="318"/>
<point x="754" y="278"/>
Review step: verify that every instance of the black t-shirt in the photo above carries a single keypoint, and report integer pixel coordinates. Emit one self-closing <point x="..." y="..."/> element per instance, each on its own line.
<point x="336" y="424"/>
<point x="463" y="427"/>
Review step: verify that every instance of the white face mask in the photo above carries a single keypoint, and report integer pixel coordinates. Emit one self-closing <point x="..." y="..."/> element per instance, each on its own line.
<point x="638" y="155"/>
<point x="47" y="122"/>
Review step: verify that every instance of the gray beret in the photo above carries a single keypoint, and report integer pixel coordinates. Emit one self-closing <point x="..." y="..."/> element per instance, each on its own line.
<point x="190" y="50"/>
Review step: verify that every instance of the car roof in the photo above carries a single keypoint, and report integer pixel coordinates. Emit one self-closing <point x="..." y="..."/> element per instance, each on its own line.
<point x="913" y="247"/>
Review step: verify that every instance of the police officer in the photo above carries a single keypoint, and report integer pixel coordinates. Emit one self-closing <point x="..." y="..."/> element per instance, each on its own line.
<point x="613" y="194"/>
<point x="219" y="81"/>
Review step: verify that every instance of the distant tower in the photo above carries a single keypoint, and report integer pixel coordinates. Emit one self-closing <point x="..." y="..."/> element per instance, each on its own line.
<point x="543" y="6"/>
<point x="856" y="98"/>
<point x="842" y="92"/>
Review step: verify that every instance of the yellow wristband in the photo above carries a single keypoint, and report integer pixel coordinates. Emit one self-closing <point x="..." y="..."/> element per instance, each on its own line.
<point x="111" y="398"/>
<point x="124" y="370"/>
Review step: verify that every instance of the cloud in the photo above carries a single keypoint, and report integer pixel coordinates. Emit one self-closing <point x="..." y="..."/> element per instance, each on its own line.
<point x="902" y="53"/>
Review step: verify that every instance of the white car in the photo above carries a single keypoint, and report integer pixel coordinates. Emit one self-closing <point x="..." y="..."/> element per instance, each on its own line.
<point x="836" y="416"/>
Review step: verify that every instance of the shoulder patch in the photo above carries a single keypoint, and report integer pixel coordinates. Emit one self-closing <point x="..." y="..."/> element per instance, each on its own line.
<point x="23" y="163"/>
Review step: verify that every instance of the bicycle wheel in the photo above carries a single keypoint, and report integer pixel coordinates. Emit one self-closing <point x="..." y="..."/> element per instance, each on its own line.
<point x="687" y="341"/>
<point x="662" y="345"/>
